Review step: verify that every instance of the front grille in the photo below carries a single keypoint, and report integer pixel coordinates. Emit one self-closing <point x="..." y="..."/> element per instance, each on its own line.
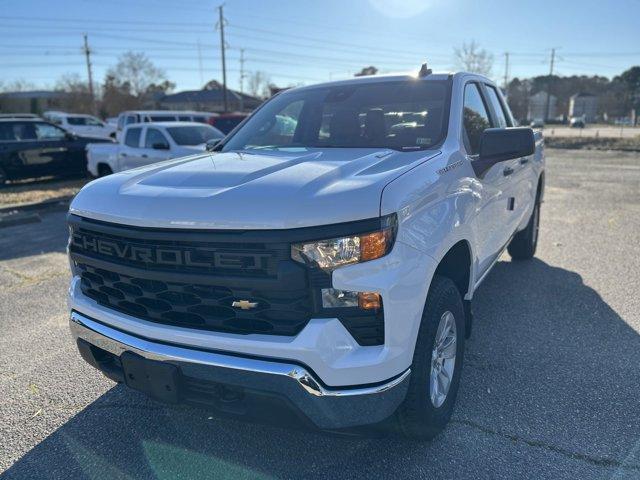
<point x="191" y="278"/>
<point x="195" y="305"/>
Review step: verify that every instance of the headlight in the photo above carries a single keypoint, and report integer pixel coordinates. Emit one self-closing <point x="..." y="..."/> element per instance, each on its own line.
<point x="336" y="252"/>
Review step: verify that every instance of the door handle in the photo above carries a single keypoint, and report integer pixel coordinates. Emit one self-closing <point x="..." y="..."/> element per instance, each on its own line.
<point x="144" y="155"/>
<point x="123" y="154"/>
<point x="507" y="171"/>
<point x="524" y="161"/>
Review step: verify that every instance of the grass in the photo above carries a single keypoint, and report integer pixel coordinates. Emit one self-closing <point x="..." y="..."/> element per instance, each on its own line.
<point x="594" y="143"/>
<point x="40" y="190"/>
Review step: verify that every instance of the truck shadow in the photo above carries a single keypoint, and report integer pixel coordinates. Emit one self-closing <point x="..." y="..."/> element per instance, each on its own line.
<point x="550" y="366"/>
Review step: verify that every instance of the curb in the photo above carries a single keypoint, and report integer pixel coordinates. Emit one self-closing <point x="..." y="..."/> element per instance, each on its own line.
<point x="14" y="220"/>
<point x="60" y="203"/>
<point x="29" y="212"/>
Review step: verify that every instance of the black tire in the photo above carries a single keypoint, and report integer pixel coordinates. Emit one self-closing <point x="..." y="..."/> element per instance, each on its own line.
<point x="418" y="417"/>
<point x="104" y="170"/>
<point x="523" y="245"/>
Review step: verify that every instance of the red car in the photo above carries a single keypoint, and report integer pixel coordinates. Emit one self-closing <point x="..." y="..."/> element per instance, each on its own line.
<point x="225" y="122"/>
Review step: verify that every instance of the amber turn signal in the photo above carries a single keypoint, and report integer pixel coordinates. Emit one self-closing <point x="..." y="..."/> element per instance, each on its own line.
<point x="369" y="300"/>
<point x="374" y="245"/>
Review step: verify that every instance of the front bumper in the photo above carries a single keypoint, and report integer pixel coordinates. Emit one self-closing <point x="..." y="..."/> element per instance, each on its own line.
<point x="233" y="383"/>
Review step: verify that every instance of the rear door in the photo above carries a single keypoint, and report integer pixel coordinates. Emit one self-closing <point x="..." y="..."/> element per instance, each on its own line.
<point x="63" y="156"/>
<point x="523" y="179"/>
<point x="130" y="153"/>
<point x="492" y="203"/>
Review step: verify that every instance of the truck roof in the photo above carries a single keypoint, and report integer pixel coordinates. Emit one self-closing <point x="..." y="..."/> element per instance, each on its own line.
<point x="167" y="124"/>
<point x="166" y="112"/>
<point x="391" y="77"/>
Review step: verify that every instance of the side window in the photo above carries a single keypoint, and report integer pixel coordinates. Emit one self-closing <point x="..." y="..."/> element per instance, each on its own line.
<point x="501" y="118"/>
<point x="24" y="131"/>
<point x="475" y="118"/>
<point x="131" y="119"/>
<point x="120" y="122"/>
<point x="155" y="136"/>
<point x="132" y="139"/>
<point x="7" y="132"/>
<point x="44" y="131"/>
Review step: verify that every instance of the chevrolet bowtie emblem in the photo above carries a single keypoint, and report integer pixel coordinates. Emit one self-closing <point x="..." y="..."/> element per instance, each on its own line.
<point x="244" y="304"/>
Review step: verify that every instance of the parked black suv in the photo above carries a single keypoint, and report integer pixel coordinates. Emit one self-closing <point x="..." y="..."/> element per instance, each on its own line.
<point x="32" y="148"/>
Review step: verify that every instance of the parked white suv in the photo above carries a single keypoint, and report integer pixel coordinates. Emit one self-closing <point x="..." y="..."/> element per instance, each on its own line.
<point x="81" y="124"/>
<point x="326" y="269"/>
<point x="143" y="116"/>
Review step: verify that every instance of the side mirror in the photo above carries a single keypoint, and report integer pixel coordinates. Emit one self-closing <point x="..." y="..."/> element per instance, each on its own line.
<point x="69" y="136"/>
<point x="160" y="146"/>
<point x="212" y="144"/>
<point x="500" y="144"/>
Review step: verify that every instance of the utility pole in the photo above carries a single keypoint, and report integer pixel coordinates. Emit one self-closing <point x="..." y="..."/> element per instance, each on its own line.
<point x="242" y="79"/>
<point x="224" y="63"/>
<point x="87" y="54"/>
<point x="553" y="59"/>
<point x="506" y="71"/>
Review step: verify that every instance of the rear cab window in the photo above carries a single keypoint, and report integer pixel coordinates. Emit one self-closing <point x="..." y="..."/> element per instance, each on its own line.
<point x="132" y="138"/>
<point x="502" y="119"/>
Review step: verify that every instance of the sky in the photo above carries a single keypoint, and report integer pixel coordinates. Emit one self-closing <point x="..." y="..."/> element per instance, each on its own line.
<point x="303" y="42"/>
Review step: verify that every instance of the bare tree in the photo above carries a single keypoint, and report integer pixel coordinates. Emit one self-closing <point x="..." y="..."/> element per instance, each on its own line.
<point x="136" y="70"/>
<point x="258" y="84"/>
<point x="77" y="98"/>
<point x="471" y="58"/>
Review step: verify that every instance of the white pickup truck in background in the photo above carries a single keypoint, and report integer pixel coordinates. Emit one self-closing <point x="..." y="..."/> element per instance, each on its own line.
<point x="143" y="144"/>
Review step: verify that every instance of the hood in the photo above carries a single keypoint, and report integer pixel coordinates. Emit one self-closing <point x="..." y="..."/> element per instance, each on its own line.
<point x="94" y="138"/>
<point x="239" y="190"/>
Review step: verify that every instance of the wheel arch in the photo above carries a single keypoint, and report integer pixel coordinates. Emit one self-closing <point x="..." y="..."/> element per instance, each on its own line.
<point x="457" y="265"/>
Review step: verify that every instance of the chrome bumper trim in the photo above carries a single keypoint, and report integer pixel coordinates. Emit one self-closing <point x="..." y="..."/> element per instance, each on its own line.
<point x="117" y="342"/>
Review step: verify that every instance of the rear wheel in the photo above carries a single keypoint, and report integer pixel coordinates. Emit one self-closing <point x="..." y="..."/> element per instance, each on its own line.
<point x="524" y="243"/>
<point x="104" y="170"/>
<point x="437" y="363"/>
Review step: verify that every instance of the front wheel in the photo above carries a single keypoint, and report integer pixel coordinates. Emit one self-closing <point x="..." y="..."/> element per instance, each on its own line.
<point x="523" y="245"/>
<point x="104" y="170"/>
<point x="437" y="363"/>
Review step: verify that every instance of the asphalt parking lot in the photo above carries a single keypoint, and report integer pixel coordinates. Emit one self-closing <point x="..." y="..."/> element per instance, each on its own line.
<point x="550" y="389"/>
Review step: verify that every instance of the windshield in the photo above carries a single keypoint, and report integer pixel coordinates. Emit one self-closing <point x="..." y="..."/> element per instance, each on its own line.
<point x="194" y="135"/>
<point x="403" y="115"/>
<point x="94" y="122"/>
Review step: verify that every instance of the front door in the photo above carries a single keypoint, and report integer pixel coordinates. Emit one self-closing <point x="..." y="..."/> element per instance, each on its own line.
<point x="492" y="199"/>
<point x="156" y="147"/>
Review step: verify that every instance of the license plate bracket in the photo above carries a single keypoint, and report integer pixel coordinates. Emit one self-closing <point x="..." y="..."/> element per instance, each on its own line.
<point x="159" y="380"/>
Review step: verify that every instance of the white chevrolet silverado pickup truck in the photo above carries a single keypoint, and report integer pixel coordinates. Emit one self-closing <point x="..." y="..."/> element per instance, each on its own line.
<point x="146" y="143"/>
<point x="323" y="271"/>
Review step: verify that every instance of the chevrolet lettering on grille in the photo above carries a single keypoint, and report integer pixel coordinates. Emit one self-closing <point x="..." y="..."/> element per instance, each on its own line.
<point x="168" y="256"/>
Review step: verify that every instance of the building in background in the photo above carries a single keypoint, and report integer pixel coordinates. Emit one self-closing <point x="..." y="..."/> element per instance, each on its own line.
<point x="36" y="101"/>
<point x="584" y="105"/>
<point x="538" y="106"/>
<point x="210" y="99"/>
